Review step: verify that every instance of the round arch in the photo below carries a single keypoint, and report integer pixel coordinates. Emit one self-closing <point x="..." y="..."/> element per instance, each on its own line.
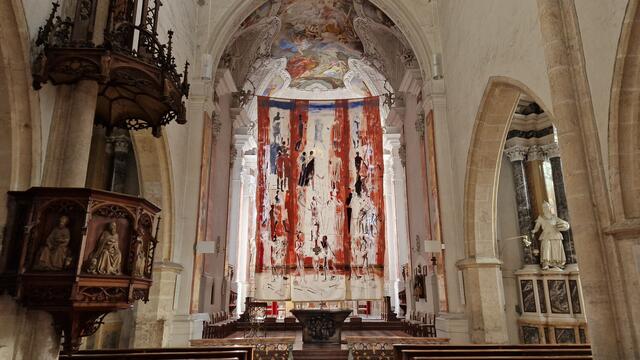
<point x="481" y="267"/>
<point x="406" y="21"/>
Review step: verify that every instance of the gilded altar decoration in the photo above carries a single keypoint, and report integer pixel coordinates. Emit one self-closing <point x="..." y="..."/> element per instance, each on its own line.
<point x="320" y="231"/>
<point x="551" y="249"/>
<point x="106" y="257"/>
<point x="55" y="254"/>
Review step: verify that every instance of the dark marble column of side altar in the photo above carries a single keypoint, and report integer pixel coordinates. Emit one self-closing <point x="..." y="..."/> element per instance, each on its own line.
<point x="121" y="145"/>
<point x="516" y="155"/>
<point x="552" y="152"/>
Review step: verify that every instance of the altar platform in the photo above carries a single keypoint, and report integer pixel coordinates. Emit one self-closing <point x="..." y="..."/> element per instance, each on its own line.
<point x="299" y="345"/>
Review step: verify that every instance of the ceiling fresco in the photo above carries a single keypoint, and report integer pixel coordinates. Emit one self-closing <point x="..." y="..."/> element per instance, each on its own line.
<point x="315" y="38"/>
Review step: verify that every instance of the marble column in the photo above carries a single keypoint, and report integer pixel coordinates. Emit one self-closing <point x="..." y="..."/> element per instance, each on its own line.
<point x="393" y="143"/>
<point x="69" y="143"/>
<point x="535" y="179"/>
<point x="120" y="146"/>
<point x="239" y="144"/>
<point x="391" y="234"/>
<point x="248" y="184"/>
<point x="553" y="154"/>
<point x="516" y="155"/>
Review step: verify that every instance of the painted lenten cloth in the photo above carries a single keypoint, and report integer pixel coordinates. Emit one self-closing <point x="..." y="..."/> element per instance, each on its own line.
<point x="320" y="224"/>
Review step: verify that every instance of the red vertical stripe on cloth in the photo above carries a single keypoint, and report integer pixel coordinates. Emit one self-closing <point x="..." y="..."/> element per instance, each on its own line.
<point x="264" y="123"/>
<point x="298" y="140"/>
<point x="342" y="152"/>
<point x="374" y="139"/>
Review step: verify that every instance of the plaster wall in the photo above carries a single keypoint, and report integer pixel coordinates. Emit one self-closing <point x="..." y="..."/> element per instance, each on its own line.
<point x="483" y="39"/>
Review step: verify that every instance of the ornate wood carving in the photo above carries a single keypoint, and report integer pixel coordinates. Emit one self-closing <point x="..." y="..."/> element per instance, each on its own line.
<point x="74" y="294"/>
<point x="140" y="86"/>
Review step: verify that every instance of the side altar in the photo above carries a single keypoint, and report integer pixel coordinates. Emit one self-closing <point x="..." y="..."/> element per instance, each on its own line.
<point x="321" y="325"/>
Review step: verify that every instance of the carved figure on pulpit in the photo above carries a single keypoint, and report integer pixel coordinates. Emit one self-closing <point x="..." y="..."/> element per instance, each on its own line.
<point x="551" y="248"/>
<point x="106" y="258"/>
<point x="140" y="256"/>
<point x="55" y="253"/>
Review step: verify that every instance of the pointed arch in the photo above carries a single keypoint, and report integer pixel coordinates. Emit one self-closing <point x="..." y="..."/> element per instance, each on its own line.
<point x="481" y="267"/>
<point x="624" y="119"/>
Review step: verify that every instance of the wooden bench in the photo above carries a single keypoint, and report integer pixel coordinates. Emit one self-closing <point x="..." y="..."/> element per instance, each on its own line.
<point x="382" y="347"/>
<point x="235" y="352"/>
<point x="272" y="348"/>
<point x="487" y="351"/>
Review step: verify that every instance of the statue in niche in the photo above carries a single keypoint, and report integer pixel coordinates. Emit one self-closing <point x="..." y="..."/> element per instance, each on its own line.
<point x="140" y="256"/>
<point x="551" y="248"/>
<point x="106" y="257"/>
<point x="55" y="253"/>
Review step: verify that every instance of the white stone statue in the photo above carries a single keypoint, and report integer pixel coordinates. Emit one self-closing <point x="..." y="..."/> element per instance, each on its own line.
<point x="55" y="254"/>
<point x="106" y="257"/>
<point x="551" y="249"/>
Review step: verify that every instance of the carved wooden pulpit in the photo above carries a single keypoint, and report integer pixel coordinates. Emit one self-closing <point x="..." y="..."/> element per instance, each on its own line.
<point x="79" y="254"/>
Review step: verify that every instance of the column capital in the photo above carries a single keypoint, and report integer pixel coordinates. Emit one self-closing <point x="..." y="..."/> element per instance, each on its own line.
<point x="224" y="82"/>
<point x="551" y="150"/>
<point x="120" y="143"/>
<point x="536" y="152"/>
<point x="392" y="141"/>
<point x="516" y="153"/>
<point x="411" y="82"/>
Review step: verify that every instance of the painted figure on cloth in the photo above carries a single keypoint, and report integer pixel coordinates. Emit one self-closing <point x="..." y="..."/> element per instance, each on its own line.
<point x="55" y="253"/>
<point x="106" y="258"/>
<point x="551" y="248"/>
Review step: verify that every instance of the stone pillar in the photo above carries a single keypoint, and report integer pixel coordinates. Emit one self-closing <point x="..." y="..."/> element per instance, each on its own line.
<point x="610" y="322"/>
<point x="69" y="143"/>
<point x="391" y="218"/>
<point x="516" y="155"/>
<point x="120" y="148"/>
<point x="553" y="153"/>
<point x="239" y="146"/>
<point x="245" y="224"/>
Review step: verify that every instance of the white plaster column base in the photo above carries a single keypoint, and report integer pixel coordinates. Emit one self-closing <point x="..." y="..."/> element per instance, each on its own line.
<point x="185" y="328"/>
<point x="453" y="326"/>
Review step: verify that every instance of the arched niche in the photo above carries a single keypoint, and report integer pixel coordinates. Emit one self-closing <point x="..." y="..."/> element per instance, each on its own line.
<point x="481" y="268"/>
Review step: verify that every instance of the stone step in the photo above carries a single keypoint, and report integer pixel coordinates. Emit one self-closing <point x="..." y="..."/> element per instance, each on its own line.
<point x="320" y="354"/>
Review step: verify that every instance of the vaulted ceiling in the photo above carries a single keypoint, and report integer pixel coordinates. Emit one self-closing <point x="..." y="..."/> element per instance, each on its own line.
<point x="318" y="45"/>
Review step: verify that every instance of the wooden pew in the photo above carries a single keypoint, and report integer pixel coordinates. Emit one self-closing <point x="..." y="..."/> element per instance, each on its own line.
<point x="437" y="351"/>
<point x="236" y="352"/>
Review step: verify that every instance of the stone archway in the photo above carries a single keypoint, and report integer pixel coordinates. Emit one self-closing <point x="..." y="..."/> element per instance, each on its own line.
<point x="624" y="175"/>
<point x="481" y="268"/>
<point x="19" y="111"/>
<point x="397" y="10"/>
<point x="624" y="126"/>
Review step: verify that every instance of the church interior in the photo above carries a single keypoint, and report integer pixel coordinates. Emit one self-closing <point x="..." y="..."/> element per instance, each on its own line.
<point x="319" y="179"/>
